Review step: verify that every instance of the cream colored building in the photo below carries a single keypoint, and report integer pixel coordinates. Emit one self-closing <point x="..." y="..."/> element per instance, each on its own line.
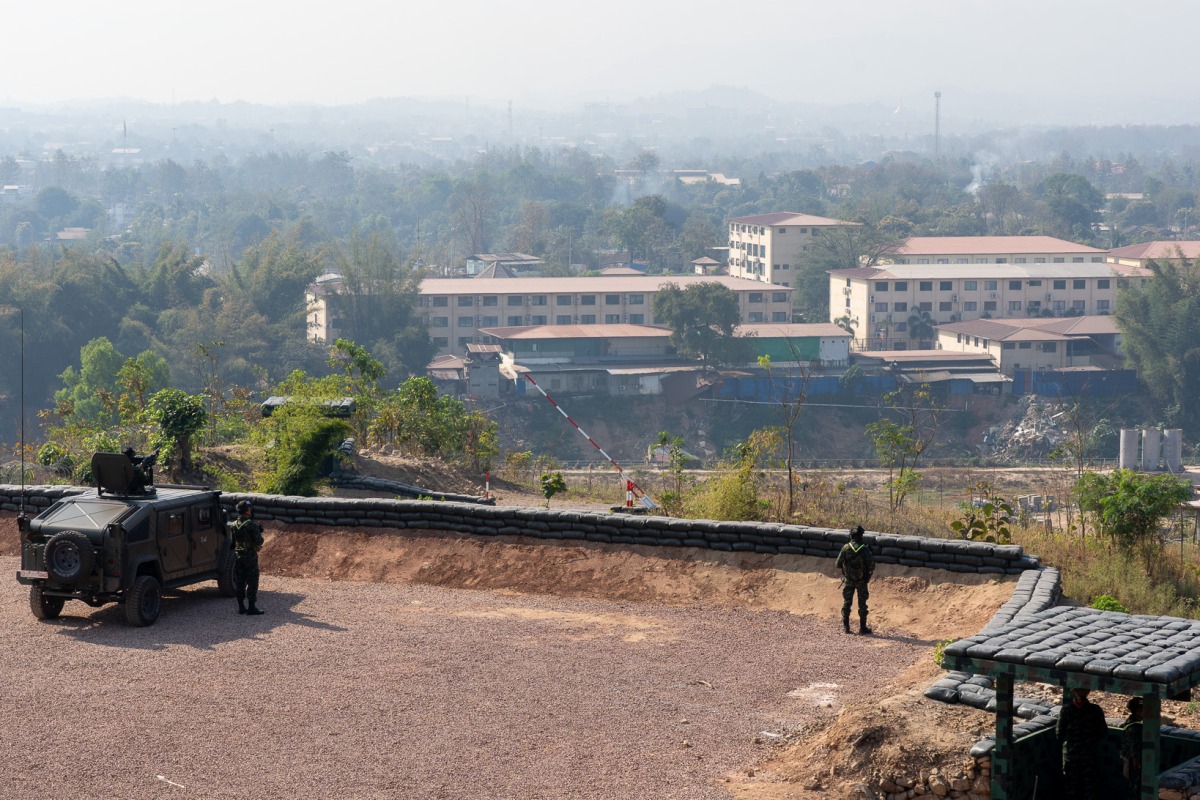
<point x="772" y="247"/>
<point x="994" y="250"/>
<point x="1038" y="344"/>
<point x="1136" y="255"/>
<point x="880" y="301"/>
<point x="456" y="308"/>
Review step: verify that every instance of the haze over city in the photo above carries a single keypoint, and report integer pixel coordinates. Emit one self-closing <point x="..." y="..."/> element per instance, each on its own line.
<point x="1019" y="62"/>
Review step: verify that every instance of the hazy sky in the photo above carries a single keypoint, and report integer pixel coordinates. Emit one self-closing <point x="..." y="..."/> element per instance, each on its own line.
<point x="1137" y="57"/>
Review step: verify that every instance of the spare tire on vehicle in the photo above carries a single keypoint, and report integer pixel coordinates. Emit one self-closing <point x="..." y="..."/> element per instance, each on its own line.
<point x="69" y="556"/>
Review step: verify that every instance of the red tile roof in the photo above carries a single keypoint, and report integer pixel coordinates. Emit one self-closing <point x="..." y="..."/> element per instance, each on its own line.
<point x="999" y="245"/>
<point x="1158" y="250"/>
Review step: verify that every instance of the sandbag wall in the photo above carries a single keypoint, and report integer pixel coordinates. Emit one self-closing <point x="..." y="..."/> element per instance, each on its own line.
<point x="481" y="520"/>
<point x="948" y="554"/>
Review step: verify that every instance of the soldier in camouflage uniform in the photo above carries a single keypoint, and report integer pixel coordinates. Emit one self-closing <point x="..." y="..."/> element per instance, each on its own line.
<point x="1131" y="748"/>
<point x="1081" y="730"/>
<point x="857" y="565"/>
<point x="247" y="541"/>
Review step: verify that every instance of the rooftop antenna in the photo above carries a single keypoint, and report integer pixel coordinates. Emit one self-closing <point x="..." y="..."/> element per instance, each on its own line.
<point x="937" y="125"/>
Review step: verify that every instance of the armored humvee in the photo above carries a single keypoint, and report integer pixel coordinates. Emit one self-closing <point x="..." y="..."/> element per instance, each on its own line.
<point x="124" y="541"/>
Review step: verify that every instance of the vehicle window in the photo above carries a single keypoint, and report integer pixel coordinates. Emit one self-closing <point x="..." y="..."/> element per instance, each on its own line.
<point x="204" y="517"/>
<point x="174" y="524"/>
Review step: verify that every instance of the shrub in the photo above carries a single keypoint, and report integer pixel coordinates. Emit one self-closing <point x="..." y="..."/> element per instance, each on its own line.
<point x="1106" y="602"/>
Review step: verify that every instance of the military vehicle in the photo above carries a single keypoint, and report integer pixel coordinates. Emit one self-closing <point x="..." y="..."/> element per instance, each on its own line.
<point x="125" y="540"/>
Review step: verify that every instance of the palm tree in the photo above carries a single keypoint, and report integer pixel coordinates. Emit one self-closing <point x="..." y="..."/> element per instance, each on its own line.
<point x="847" y="323"/>
<point x="921" y="326"/>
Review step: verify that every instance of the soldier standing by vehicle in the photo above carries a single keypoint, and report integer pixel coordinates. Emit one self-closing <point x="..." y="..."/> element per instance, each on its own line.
<point x="1131" y="747"/>
<point x="1081" y="729"/>
<point x="247" y="541"/>
<point x="857" y="565"/>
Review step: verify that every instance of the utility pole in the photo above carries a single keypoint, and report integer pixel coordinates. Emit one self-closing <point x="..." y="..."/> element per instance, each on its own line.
<point x="937" y="125"/>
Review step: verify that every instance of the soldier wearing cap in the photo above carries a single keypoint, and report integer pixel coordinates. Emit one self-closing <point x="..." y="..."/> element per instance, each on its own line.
<point x="247" y="541"/>
<point x="1081" y="730"/>
<point x="857" y="565"/>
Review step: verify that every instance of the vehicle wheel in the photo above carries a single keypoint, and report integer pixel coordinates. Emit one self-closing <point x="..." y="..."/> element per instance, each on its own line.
<point x="69" y="556"/>
<point x="225" y="575"/>
<point x="44" y="607"/>
<point x="143" y="601"/>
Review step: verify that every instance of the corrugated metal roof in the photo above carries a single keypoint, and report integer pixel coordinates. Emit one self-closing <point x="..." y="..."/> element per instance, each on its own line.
<point x="1158" y="250"/>
<point x="792" y="330"/>
<point x="624" y="331"/>
<point x="913" y="272"/>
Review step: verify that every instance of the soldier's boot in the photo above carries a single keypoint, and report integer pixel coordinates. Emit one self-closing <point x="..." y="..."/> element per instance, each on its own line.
<point x="241" y="606"/>
<point x="846" y="623"/>
<point x="862" y="627"/>
<point x="254" y="609"/>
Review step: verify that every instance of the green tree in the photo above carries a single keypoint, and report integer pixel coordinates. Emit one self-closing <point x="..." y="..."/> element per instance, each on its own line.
<point x="900" y="443"/>
<point x="703" y="319"/>
<point x="179" y="416"/>
<point x="1130" y="506"/>
<point x="1160" y="327"/>
<point x="552" y="483"/>
<point x="791" y="393"/>
<point x="921" y="326"/>
<point x="89" y="394"/>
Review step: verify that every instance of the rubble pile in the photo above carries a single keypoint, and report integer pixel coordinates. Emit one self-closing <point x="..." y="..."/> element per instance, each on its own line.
<point x="1032" y="435"/>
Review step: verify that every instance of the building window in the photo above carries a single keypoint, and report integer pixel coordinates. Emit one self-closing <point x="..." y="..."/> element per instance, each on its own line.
<point x="466" y="322"/>
<point x="1077" y="260"/>
<point x="785" y="266"/>
<point x="756" y="316"/>
<point x="514" y="321"/>
<point x="962" y="261"/>
<point x="441" y="302"/>
<point x="491" y="300"/>
<point x="970" y="305"/>
<point x="612" y="299"/>
<point x="1059" y="284"/>
<point x="944" y="306"/>
<point x="925" y="286"/>
<point x="881" y="307"/>
<point x="945" y="286"/>
<point x="926" y="306"/>
<point x="562" y="319"/>
<point x="1096" y="259"/>
<point x="465" y="301"/>
<point x="901" y="286"/>
<point x="901" y="327"/>
<point x="1024" y="345"/>
<point x="970" y="286"/>
<point x="1014" y="286"/>
<point x="563" y="300"/>
<point x="1059" y="305"/>
<point x="491" y="322"/>
<point x="1008" y="346"/>
<point x="989" y="305"/>
<point x="1060" y="261"/>
<point x="637" y="299"/>
<point x="754" y="297"/>
<point x="537" y="319"/>
<point x="1018" y="261"/>
<point x="1102" y="305"/>
<point x="981" y="261"/>
<point x="1102" y="283"/>
<point x="1078" y="283"/>
<point x="587" y="319"/>
<point x="881" y="286"/>
<point x="441" y="341"/>
<point x="637" y="319"/>
<point x="1014" y="305"/>
<point x="439" y="322"/>
<point x="782" y="231"/>
<point x="922" y="260"/>
<point x="943" y="261"/>
<point x="1079" y="305"/>
<point x="778" y="297"/>
<point x="990" y="286"/>
<point x="513" y="300"/>
<point x="1050" y="347"/>
<point x="587" y="299"/>
<point x="612" y="319"/>
<point x="1034" y="306"/>
<point x="779" y="316"/>
<point x="1001" y="260"/>
<point x="900" y="307"/>
<point x="539" y="300"/>
<point x="1034" y="283"/>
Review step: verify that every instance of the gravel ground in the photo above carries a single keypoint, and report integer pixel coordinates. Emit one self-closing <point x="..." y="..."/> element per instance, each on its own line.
<point x="359" y="690"/>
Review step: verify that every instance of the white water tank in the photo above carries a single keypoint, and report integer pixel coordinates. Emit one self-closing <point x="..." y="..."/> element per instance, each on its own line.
<point x="1151" y="449"/>
<point x="1173" y="450"/>
<point x="1129" y="448"/>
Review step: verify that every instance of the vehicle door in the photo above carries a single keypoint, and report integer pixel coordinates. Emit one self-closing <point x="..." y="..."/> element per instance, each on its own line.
<point x="173" y="543"/>
<point x="206" y="536"/>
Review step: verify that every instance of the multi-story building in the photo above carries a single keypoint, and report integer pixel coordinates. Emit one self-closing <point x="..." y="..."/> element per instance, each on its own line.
<point x="882" y="303"/>
<point x="772" y="247"/>
<point x="994" y="250"/>
<point x="1034" y="344"/>
<point x="1136" y="255"/>
<point x="455" y="309"/>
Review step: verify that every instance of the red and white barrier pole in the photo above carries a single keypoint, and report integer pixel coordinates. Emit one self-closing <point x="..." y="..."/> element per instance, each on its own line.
<point x="487" y="485"/>
<point x="628" y="494"/>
